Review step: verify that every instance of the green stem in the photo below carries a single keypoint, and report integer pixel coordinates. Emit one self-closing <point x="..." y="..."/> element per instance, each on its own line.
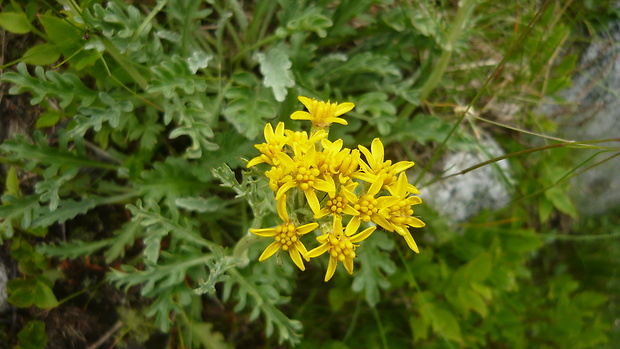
<point x="375" y="313"/>
<point x="465" y="9"/>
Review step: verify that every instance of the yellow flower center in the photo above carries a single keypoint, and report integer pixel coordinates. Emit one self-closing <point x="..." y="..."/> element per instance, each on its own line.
<point x="305" y="177"/>
<point x="321" y="111"/>
<point x="341" y="247"/>
<point x="337" y="204"/>
<point x="367" y="206"/>
<point x="287" y="235"/>
<point x="401" y="213"/>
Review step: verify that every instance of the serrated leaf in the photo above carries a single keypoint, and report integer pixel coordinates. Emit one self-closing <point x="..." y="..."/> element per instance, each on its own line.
<point x="375" y="264"/>
<point x="199" y="204"/>
<point x="14" y="22"/>
<point x="310" y="19"/>
<point x="67" y="209"/>
<point x="74" y="249"/>
<point x="275" y="66"/>
<point x="209" y="339"/>
<point x="247" y="108"/>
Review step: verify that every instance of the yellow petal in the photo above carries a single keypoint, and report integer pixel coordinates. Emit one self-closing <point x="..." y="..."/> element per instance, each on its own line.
<point x="377" y="150"/>
<point x="337" y="120"/>
<point x="281" y="207"/>
<point x="344" y="108"/>
<point x="306" y="228"/>
<point x="401" y="166"/>
<point x="301" y="115"/>
<point x="352" y="227"/>
<point x="417" y="223"/>
<point x="284" y="188"/>
<point x="411" y="243"/>
<point x="313" y="201"/>
<point x="348" y="264"/>
<point x="379" y="219"/>
<point x="327" y="185"/>
<point x="307" y="102"/>
<point x="296" y="257"/>
<point x="302" y="249"/>
<point x="315" y="252"/>
<point x="375" y="187"/>
<point x="363" y="234"/>
<point x="286" y="161"/>
<point x="322" y="213"/>
<point x="331" y="268"/>
<point x="280" y="129"/>
<point x="269" y="232"/>
<point x="268" y="132"/>
<point x="270" y="250"/>
<point x="255" y="161"/>
<point x="369" y="158"/>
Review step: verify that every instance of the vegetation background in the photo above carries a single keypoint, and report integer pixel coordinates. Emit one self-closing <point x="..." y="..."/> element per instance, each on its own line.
<point x="125" y="126"/>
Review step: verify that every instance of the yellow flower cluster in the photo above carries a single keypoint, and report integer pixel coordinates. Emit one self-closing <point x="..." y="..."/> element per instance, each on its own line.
<point x="337" y="185"/>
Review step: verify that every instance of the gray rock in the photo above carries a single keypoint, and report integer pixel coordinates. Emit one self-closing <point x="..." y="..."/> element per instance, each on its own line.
<point x="461" y="197"/>
<point x="592" y="112"/>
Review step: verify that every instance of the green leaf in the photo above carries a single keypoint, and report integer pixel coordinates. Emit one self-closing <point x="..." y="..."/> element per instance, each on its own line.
<point x="42" y="54"/>
<point x="32" y="336"/>
<point x="61" y="32"/>
<point x="471" y="300"/>
<point x="65" y="86"/>
<point x="24" y="293"/>
<point x="275" y="66"/>
<point x="310" y="19"/>
<point x="247" y="108"/>
<point x="203" y="333"/>
<point x="74" y="249"/>
<point x="48" y="118"/>
<point x="16" y="23"/>
<point x="12" y="183"/>
<point x="66" y="210"/>
<point x="478" y="269"/>
<point x="199" y="204"/>
<point x="375" y="264"/>
<point x="561" y="201"/>
<point x="445" y="324"/>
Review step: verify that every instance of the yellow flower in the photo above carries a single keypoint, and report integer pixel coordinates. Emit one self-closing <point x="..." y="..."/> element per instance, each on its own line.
<point x="277" y="176"/>
<point x="274" y="143"/>
<point x="340" y="245"/>
<point x="400" y="213"/>
<point x="340" y="204"/>
<point x="302" y="140"/>
<point x="286" y="236"/>
<point x="334" y="160"/>
<point x="376" y="167"/>
<point x="304" y="175"/>
<point x="322" y="114"/>
<point x="369" y="206"/>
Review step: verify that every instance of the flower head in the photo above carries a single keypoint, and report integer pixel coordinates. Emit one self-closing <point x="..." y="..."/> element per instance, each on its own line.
<point x="376" y="167"/>
<point x="322" y="114"/>
<point x="305" y="176"/>
<point x="286" y="237"/>
<point x="273" y="145"/>
<point x="340" y="245"/>
<point x="400" y="214"/>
